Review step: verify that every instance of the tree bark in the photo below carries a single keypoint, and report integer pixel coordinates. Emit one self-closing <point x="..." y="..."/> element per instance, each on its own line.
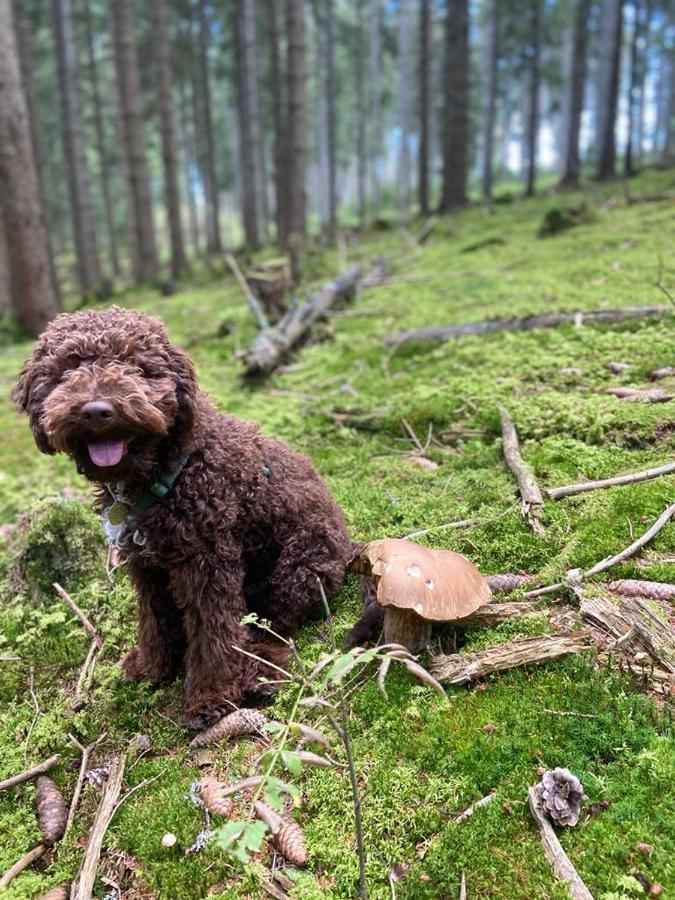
<point x="455" y="106"/>
<point x="424" y="82"/>
<point x="249" y="121"/>
<point x="5" y="276"/>
<point x="189" y="157"/>
<point x="375" y="100"/>
<point x="331" y="122"/>
<point x="491" y="59"/>
<point x="105" y="174"/>
<point x="633" y="88"/>
<point x="162" y="61"/>
<point x="644" y="65"/>
<point x="608" y="87"/>
<point x="360" y="91"/>
<point x="297" y="124"/>
<point x="204" y="125"/>
<point x="533" y="111"/>
<point x="35" y="298"/>
<point x="142" y="237"/>
<point x="405" y="100"/>
<point x="280" y="119"/>
<point x="573" y="98"/>
<point x="74" y="151"/>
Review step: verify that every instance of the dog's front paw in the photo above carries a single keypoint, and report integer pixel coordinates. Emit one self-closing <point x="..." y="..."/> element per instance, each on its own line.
<point x="133" y="666"/>
<point x="203" y="710"/>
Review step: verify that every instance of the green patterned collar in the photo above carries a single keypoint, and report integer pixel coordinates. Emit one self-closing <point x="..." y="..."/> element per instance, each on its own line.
<point x="126" y="512"/>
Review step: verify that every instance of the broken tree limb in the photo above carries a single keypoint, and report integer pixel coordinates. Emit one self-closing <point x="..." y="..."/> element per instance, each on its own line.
<point x="632" y="478"/>
<point x="527" y="323"/>
<point x="251" y="299"/>
<point x="30" y="774"/>
<point x="576" y="575"/>
<point x="559" y="860"/>
<point x="530" y="492"/>
<point x="83" y="885"/>
<point x="496" y="613"/>
<point x="457" y="669"/>
<point x="272" y="345"/>
<point x="26" y="860"/>
<point x="651" y="590"/>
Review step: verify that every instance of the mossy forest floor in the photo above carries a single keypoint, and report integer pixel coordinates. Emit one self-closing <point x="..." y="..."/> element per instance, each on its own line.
<point x="343" y="400"/>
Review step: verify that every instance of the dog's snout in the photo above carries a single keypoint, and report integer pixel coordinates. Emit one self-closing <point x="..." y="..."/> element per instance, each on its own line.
<point x="97" y="412"/>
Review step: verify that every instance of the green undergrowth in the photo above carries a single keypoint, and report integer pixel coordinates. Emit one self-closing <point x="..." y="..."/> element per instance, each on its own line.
<point x="343" y="400"/>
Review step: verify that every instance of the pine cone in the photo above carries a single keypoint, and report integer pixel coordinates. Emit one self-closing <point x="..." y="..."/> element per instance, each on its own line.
<point x="650" y="590"/>
<point x="241" y="721"/>
<point x="60" y="892"/>
<point x="504" y="584"/>
<point x="51" y="810"/>
<point x="561" y="793"/>
<point x="212" y="797"/>
<point x="290" y="842"/>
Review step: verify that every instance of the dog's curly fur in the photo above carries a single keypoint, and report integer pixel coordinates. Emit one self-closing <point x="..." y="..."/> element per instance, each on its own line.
<point x="247" y="526"/>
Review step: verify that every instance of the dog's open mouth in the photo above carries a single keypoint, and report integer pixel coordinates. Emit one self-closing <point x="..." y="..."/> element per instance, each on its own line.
<point x="106" y="453"/>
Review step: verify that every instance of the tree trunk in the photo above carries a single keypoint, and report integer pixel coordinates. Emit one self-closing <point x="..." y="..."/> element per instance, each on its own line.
<point x="375" y="100"/>
<point x="5" y="275"/>
<point x="207" y="160"/>
<point x="142" y="238"/>
<point x="297" y="124"/>
<point x="360" y="91"/>
<point x="162" y="57"/>
<point x="74" y="151"/>
<point x="280" y="119"/>
<point x="633" y="88"/>
<point x="189" y="154"/>
<point x="533" y="112"/>
<point x="320" y="65"/>
<point x="331" y="118"/>
<point x="573" y="99"/>
<point x="425" y="65"/>
<point x="491" y="59"/>
<point x="644" y="64"/>
<point x="101" y="144"/>
<point x="455" y="106"/>
<point x="405" y="101"/>
<point x="249" y="122"/>
<point x="608" y="86"/>
<point x="34" y="293"/>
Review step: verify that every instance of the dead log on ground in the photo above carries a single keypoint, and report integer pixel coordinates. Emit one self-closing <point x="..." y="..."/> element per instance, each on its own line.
<point x="529" y="489"/>
<point x="632" y="478"/>
<point x="496" y="613"/>
<point x="650" y="590"/>
<point x="528" y="323"/>
<point x="272" y="345"/>
<point x="457" y="669"/>
<point x="559" y="860"/>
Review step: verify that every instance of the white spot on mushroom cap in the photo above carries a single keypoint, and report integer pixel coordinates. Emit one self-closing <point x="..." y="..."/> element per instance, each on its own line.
<point x="429" y="583"/>
<point x="414" y="571"/>
<point x="419" y="608"/>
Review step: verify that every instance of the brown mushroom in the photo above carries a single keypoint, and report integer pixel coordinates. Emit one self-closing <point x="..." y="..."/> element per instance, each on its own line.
<point x="417" y="586"/>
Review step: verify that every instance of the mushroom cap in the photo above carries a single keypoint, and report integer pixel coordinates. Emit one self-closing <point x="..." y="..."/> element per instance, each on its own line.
<point x="439" y="585"/>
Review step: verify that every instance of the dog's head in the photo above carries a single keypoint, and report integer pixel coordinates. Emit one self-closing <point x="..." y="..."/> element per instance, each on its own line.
<point x="110" y="390"/>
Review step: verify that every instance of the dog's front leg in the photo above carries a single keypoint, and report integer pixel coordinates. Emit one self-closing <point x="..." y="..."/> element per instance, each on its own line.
<point x="161" y="641"/>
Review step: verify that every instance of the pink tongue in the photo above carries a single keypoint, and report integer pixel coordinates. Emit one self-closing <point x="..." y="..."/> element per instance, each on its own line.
<point x="106" y="453"/>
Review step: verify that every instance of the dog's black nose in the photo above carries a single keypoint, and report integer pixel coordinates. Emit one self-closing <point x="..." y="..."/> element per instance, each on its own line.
<point x="97" y="412"/>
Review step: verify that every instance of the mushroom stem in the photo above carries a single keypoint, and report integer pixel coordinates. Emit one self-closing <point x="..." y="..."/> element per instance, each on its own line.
<point x="404" y="626"/>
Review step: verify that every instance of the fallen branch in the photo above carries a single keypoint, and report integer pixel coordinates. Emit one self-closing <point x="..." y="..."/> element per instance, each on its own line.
<point x="272" y="345"/>
<point x="86" y="675"/>
<point x="88" y="627"/>
<point x="26" y="860"/>
<point x="251" y="299"/>
<point x="457" y="669"/>
<point x="83" y="885"/>
<point x="495" y="613"/>
<point x="84" y="764"/>
<point x="632" y="478"/>
<point x="559" y="860"/>
<point x="30" y="774"/>
<point x="530" y="493"/>
<point x="470" y="810"/>
<point x="527" y="323"/>
<point x="576" y="575"/>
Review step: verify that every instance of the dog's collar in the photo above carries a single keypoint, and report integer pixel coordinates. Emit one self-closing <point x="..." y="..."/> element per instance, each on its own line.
<point x="123" y="514"/>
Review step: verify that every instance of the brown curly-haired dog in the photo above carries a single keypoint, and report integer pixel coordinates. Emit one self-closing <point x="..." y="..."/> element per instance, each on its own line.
<point x="215" y="519"/>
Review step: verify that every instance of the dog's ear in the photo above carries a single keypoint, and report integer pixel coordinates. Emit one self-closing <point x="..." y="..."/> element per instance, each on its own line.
<point x="186" y="390"/>
<point x="34" y="384"/>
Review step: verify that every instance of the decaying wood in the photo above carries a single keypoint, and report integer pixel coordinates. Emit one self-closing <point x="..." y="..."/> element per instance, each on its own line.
<point x="632" y="478"/>
<point x="30" y="774"/>
<point x="457" y="669"/>
<point x="26" y="860"/>
<point x="496" y="613"/>
<point x="530" y="492"/>
<point x="88" y="627"/>
<point x="575" y="576"/>
<point x="559" y="860"/>
<point x="648" y="395"/>
<point x="273" y="344"/>
<point x="507" y="582"/>
<point x="251" y="298"/>
<point x="527" y="323"/>
<point x="83" y="885"/>
<point x="633" y="618"/>
<point x="651" y="590"/>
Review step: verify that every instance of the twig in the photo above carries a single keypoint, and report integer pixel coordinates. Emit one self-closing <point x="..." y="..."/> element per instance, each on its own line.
<point x="659" y="282"/>
<point x="460" y="523"/>
<point x="30" y="774"/>
<point x="138" y="787"/>
<point x="83" y="885"/>
<point x="565" y="712"/>
<point x="470" y="810"/>
<point x="86" y="753"/>
<point x="86" y="675"/>
<point x="89" y="628"/>
<point x="26" y="860"/>
<point x="462" y="888"/>
<point x="632" y="478"/>
<point x="559" y="860"/>
<point x="576" y="575"/>
<point x="530" y="492"/>
<point x="420" y="236"/>
<point x="31" y="688"/>
<point x="251" y="298"/>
